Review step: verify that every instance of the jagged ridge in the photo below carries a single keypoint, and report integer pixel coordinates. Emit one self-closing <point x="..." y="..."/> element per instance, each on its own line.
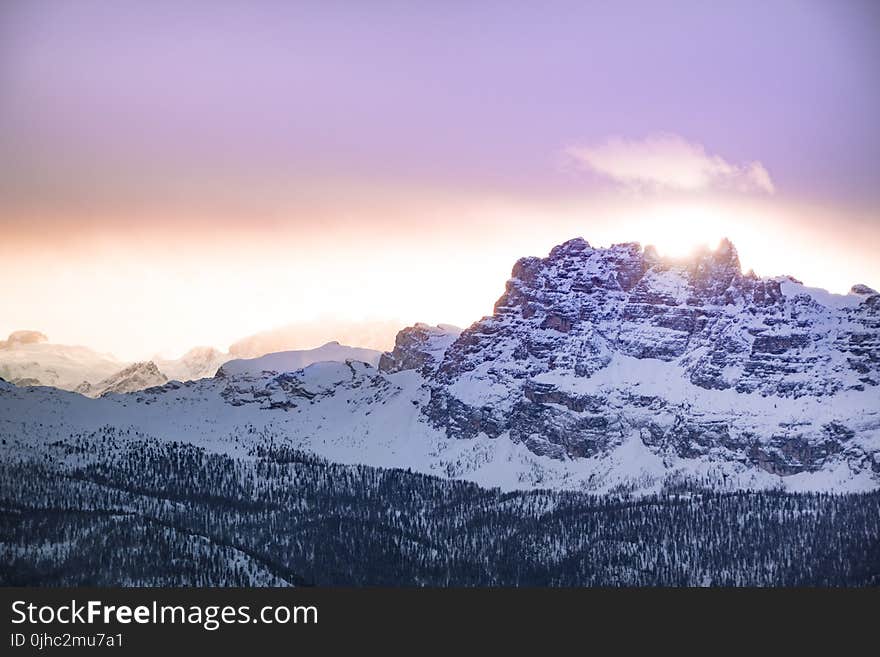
<point x="588" y="346"/>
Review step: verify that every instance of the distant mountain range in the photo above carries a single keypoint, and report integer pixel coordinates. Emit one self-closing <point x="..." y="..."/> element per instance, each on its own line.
<point x="27" y="358"/>
<point x="604" y="370"/>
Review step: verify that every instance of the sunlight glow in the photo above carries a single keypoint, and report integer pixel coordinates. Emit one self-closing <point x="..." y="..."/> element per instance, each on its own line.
<point x="680" y="231"/>
<point x="171" y="289"/>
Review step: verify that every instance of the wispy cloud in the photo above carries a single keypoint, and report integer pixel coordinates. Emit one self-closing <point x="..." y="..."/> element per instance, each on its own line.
<point x="668" y="161"/>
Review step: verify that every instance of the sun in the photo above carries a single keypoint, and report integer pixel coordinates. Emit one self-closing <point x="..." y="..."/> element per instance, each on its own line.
<point x="679" y="231"/>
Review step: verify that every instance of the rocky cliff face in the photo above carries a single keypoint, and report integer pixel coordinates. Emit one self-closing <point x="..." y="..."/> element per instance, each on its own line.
<point x="420" y="347"/>
<point x="588" y="347"/>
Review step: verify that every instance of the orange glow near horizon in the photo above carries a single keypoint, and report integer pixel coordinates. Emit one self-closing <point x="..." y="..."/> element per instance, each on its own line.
<point x="138" y="289"/>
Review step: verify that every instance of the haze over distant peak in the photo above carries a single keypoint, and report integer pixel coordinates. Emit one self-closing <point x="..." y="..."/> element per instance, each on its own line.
<point x="28" y="358"/>
<point x="290" y="361"/>
<point x="302" y="335"/>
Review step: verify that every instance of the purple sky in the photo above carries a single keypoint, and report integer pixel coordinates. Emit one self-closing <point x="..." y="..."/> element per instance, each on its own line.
<point x="482" y="95"/>
<point x="477" y="127"/>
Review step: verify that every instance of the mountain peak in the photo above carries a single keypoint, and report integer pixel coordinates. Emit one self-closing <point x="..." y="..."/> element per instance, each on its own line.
<point x="862" y="290"/>
<point x="420" y="347"/>
<point x="572" y="246"/>
<point x="725" y="245"/>
<point x="137" y="376"/>
<point x="291" y="361"/>
<point x="726" y="252"/>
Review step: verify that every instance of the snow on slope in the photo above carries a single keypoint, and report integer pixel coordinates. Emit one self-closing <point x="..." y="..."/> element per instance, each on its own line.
<point x="352" y="413"/>
<point x="601" y="369"/>
<point x="792" y="288"/>
<point x="289" y="361"/>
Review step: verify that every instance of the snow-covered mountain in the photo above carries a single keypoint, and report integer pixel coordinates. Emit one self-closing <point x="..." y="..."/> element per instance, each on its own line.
<point x="197" y="363"/>
<point x="600" y="369"/>
<point x="589" y="349"/>
<point x="27" y="358"/>
<point x="136" y="376"/>
<point x="290" y="361"/>
<point x="421" y="348"/>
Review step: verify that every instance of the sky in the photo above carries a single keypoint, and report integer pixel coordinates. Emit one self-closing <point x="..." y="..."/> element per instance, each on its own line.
<point x="179" y="174"/>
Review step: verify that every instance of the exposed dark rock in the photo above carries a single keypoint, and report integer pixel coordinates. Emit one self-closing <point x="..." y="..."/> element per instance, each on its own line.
<point x="418" y="347"/>
<point x="576" y="311"/>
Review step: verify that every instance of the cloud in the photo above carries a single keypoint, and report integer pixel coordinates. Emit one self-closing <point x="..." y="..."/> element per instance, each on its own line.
<point x="668" y="161"/>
